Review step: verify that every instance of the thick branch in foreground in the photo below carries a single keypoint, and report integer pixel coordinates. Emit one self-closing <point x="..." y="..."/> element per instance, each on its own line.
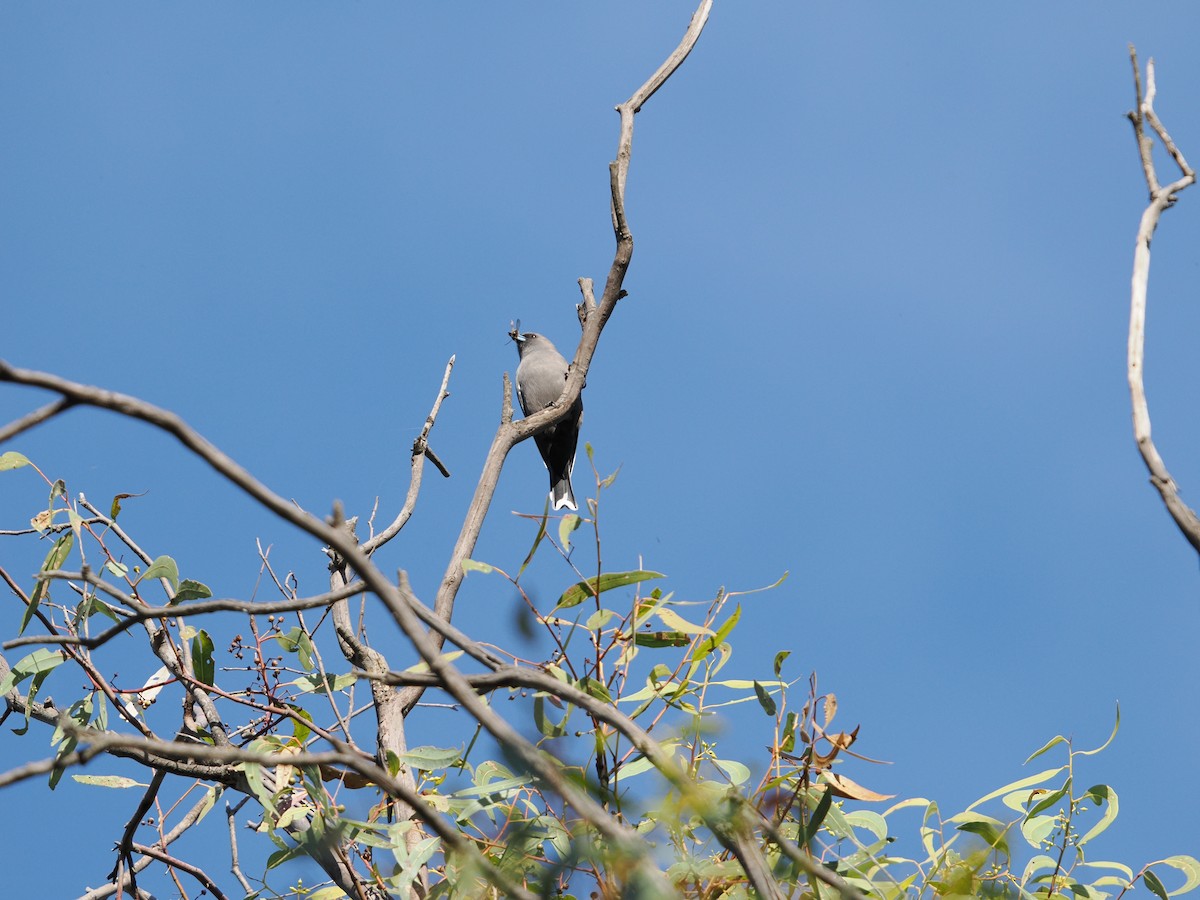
<point x="619" y="836"/>
<point x="1161" y="197"/>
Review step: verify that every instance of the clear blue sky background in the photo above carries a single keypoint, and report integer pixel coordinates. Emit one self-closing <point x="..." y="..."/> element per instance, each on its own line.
<point x="875" y="337"/>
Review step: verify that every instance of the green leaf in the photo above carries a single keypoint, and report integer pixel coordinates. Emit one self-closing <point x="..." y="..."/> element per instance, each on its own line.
<point x="92" y="605"/>
<point x="537" y="540"/>
<point x="12" y="460"/>
<point x="164" y="567"/>
<point x="471" y="565"/>
<point x="788" y="744"/>
<point x="779" y="658"/>
<point x="1099" y="794"/>
<point x="544" y="723"/>
<point x="307" y="653"/>
<point x="1155" y="886"/>
<point x="989" y="829"/>
<point x="706" y="646"/>
<point x="300" y="729"/>
<point x="765" y="700"/>
<point x="298" y="642"/>
<point x="577" y="593"/>
<point x="1017" y="785"/>
<point x="607" y="482"/>
<point x="661" y="639"/>
<point x="1188" y="865"/>
<point x="1116" y="728"/>
<point x="109" y="781"/>
<point x="599" y="619"/>
<point x="736" y="772"/>
<point x="202" y="658"/>
<point x="393" y="763"/>
<point x="1037" y="864"/>
<point x="1049" y="800"/>
<point x="1037" y="829"/>
<point x="817" y="817"/>
<point x="191" y="590"/>
<point x="676" y="622"/>
<point x="307" y="684"/>
<point x="430" y="759"/>
<point x="118" y="569"/>
<point x="641" y="764"/>
<point x="594" y="688"/>
<point x="568" y="524"/>
<point x="1053" y="742"/>
<point x="54" y="560"/>
<point x="40" y="662"/>
<point x="1120" y="867"/>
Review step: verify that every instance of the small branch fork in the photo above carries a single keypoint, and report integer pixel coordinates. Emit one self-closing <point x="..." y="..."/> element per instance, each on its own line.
<point x="1161" y="197"/>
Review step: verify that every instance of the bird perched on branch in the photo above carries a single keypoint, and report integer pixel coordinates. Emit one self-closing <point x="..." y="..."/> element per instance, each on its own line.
<point x="541" y="375"/>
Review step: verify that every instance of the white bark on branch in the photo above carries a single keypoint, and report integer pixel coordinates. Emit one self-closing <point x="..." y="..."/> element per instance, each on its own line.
<point x="1161" y="197"/>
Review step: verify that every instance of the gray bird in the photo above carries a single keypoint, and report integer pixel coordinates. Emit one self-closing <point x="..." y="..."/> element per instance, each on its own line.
<point x="541" y="375"/>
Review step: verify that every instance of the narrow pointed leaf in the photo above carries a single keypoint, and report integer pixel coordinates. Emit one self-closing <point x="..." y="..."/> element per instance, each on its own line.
<point x="54" y="560"/>
<point x="577" y="593"/>
<point x="765" y="700"/>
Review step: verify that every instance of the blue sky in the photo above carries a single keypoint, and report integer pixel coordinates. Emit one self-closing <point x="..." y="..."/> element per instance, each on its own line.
<point x="875" y="334"/>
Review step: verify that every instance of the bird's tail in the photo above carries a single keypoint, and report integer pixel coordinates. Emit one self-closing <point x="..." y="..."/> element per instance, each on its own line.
<point x="561" y="495"/>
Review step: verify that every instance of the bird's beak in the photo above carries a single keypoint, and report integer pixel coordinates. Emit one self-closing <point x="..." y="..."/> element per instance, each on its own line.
<point x="514" y="331"/>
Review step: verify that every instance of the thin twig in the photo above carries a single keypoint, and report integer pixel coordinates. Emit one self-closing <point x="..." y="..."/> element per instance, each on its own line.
<point x="49" y="411"/>
<point x="420" y="450"/>
<point x="142" y="612"/>
<point x="234" y="865"/>
<point x="195" y="871"/>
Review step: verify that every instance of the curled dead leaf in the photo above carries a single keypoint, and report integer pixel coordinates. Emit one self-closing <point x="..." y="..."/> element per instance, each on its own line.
<point x="842" y="786"/>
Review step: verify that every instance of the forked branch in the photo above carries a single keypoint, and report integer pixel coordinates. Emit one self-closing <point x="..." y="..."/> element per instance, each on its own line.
<point x="1161" y="197"/>
<point x="510" y="433"/>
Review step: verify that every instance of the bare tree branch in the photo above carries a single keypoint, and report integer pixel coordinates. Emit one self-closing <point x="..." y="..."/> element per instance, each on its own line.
<point x="190" y="818"/>
<point x="1161" y="197"/>
<point x="141" y="612"/>
<point x="509" y="434"/>
<point x="195" y="871"/>
<point x="49" y="411"/>
<point x="420" y="450"/>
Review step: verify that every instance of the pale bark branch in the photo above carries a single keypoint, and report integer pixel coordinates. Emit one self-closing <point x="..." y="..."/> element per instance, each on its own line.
<point x="1161" y="197"/>
<point x="420" y="450"/>
<point x="49" y="411"/>
<point x="141" y="612"/>
<point x="510" y="433"/>
<point x="195" y="871"/>
<point x="192" y="816"/>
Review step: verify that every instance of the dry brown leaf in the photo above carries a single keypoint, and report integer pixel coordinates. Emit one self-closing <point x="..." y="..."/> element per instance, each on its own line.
<point x="830" y="708"/>
<point x="844" y="787"/>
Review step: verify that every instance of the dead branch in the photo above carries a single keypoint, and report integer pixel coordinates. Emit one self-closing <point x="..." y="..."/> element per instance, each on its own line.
<point x="510" y="433"/>
<point x="1161" y="197"/>
<point x="420" y="450"/>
